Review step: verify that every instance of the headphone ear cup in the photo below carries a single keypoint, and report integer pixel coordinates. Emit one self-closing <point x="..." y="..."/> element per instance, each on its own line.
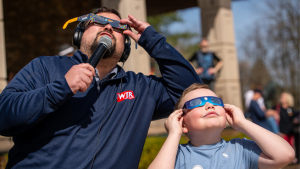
<point x="77" y="36"/>
<point x="127" y="49"/>
<point x="125" y="53"/>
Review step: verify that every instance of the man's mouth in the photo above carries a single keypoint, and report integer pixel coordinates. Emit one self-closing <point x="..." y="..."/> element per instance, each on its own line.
<point x="211" y="114"/>
<point x="106" y="34"/>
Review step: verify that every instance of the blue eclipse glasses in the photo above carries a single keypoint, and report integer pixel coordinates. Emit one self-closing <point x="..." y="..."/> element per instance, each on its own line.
<point x="201" y="101"/>
<point x="100" y="21"/>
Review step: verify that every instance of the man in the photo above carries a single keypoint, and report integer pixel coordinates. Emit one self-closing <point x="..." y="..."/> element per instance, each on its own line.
<point x="208" y="64"/>
<point x="258" y="116"/>
<point x="248" y="96"/>
<point x="60" y="116"/>
<point x="271" y="116"/>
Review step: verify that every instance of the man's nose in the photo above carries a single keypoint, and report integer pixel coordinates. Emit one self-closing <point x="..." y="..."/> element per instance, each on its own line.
<point x="209" y="106"/>
<point x="108" y="27"/>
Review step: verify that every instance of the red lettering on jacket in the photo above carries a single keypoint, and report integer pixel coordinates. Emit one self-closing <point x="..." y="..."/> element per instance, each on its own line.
<point x="125" y="95"/>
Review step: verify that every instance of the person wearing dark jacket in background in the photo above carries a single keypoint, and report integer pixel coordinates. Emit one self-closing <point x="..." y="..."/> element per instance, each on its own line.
<point x="63" y="113"/>
<point x="296" y="132"/>
<point x="258" y="116"/>
<point x="287" y="114"/>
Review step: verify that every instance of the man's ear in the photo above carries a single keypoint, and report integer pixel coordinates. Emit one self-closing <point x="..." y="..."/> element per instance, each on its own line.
<point x="184" y="128"/>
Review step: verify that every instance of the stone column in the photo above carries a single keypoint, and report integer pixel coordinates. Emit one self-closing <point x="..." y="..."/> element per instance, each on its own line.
<point x="139" y="60"/>
<point x="5" y="142"/>
<point x="217" y="27"/>
<point x="3" y="74"/>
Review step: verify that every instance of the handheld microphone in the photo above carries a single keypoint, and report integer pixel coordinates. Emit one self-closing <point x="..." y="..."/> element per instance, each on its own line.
<point x="104" y="44"/>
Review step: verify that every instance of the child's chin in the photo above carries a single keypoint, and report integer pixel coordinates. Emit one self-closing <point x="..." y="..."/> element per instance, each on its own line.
<point x="216" y="125"/>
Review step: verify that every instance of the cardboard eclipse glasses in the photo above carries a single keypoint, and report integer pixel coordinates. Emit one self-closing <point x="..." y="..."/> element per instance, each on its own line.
<point x="117" y="26"/>
<point x="201" y="101"/>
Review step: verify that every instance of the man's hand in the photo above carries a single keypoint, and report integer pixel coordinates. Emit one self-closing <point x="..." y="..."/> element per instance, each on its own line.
<point x="211" y="71"/>
<point x="270" y="112"/>
<point x="173" y="124"/>
<point x="139" y="26"/>
<point x="199" y="70"/>
<point x="234" y="116"/>
<point x="79" y="77"/>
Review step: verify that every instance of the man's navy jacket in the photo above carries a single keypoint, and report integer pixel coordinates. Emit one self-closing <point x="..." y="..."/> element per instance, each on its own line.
<point x="53" y="128"/>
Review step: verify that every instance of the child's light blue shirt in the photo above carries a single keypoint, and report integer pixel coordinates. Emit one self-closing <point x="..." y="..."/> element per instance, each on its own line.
<point x="234" y="154"/>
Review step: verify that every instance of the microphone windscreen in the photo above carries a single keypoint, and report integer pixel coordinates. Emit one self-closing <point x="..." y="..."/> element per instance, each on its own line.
<point x="106" y="40"/>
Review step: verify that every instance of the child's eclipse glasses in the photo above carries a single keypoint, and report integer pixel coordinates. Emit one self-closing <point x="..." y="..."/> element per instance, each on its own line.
<point x="99" y="21"/>
<point x="201" y="101"/>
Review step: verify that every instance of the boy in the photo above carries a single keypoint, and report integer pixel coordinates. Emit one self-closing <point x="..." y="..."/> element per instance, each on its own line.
<point x="202" y="118"/>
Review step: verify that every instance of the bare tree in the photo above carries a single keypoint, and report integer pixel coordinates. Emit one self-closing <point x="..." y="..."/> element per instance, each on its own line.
<point x="283" y="31"/>
<point x="253" y="68"/>
<point x="245" y="73"/>
<point x="273" y="46"/>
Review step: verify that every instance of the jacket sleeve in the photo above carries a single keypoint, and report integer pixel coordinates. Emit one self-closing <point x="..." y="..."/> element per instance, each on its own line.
<point x="177" y="73"/>
<point x="254" y="108"/>
<point x="29" y="97"/>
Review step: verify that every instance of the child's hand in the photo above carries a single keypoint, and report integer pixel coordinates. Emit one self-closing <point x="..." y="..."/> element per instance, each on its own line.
<point x="173" y="124"/>
<point x="234" y="115"/>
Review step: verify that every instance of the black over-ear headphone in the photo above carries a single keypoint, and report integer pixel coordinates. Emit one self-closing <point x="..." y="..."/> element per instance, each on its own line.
<point x="79" y="32"/>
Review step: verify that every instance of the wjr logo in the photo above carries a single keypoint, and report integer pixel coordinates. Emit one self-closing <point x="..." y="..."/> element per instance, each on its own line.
<point x="125" y="95"/>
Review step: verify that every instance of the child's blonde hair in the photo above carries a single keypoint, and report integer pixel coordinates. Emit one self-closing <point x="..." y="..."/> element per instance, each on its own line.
<point x="194" y="86"/>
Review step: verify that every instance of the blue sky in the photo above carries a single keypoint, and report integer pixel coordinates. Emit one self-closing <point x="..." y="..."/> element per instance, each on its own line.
<point x="245" y="14"/>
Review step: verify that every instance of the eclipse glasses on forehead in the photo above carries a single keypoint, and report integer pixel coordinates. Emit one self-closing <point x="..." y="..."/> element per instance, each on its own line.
<point x="201" y="101"/>
<point x="98" y="19"/>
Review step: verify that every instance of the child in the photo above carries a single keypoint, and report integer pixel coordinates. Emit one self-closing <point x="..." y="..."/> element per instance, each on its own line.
<point x="202" y="118"/>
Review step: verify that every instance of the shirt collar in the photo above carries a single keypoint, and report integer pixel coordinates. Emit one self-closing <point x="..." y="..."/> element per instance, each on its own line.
<point x="112" y="74"/>
<point x="80" y="57"/>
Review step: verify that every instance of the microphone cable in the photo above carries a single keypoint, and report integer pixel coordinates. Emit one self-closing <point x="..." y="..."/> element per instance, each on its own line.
<point x="98" y="139"/>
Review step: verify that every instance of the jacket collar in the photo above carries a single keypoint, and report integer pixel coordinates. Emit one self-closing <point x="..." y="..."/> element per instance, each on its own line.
<point x="121" y="73"/>
<point x="79" y="57"/>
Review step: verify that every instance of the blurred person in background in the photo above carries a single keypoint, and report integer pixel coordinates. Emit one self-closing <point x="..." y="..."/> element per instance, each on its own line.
<point x="296" y="132"/>
<point x="208" y="64"/>
<point x="248" y="97"/>
<point x="287" y="114"/>
<point x="259" y="114"/>
<point x="66" y="49"/>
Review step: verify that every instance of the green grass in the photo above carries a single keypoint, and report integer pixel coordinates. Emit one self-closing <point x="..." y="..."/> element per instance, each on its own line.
<point x="3" y="160"/>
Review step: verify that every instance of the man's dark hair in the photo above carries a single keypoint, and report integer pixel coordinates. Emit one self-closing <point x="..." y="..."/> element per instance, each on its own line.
<point x="102" y="9"/>
<point x="258" y="91"/>
<point x="108" y="10"/>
